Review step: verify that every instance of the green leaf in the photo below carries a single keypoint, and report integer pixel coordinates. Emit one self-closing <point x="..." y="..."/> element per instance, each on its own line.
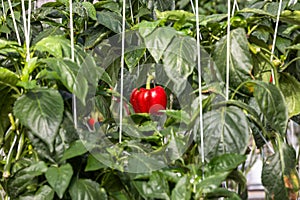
<point x="225" y="163"/>
<point x="59" y="47"/>
<point x="290" y="89"/>
<point x="179" y="64"/>
<point x="8" y="79"/>
<point x="226" y="130"/>
<point x="59" y="178"/>
<point x="291" y="17"/>
<point x="278" y="174"/>
<point x="206" y="19"/>
<point x="272" y="104"/>
<point x="108" y="4"/>
<point x="182" y="190"/>
<point x="256" y="11"/>
<point x="178" y="143"/>
<point x="41" y="111"/>
<point x="294" y="47"/>
<point x="70" y="75"/>
<point x="132" y="58"/>
<point x="28" y="68"/>
<point x="25" y="178"/>
<point x="155" y="188"/>
<point x="7" y="43"/>
<point x="110" y="20"/>
<point x="158" y="41"/>
<point x="210" y="183"/>
<point x="87" y="189"/>
<point x="240" y="66"/>
<point x="179" y="115"/>
<point x="93" y="164"/>
<point x="146" y="27"/>
<point x="89" y="7"/>
<point x="142" y="163"/>
<point x="77" y="148"/>
<point x="174" y="15"/>
<point x="223" y="192"/>
<point x="44" y="193"/>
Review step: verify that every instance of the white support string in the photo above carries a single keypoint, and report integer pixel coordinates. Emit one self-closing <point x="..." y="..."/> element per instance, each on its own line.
<point x="200" y="87"/>
<point x="131" y="11"/>
<point x="122" y="70"/>
<point x="26" y="25"/>
<point x="193" y="7"/>
<point x="28" y="32"/>
<point x="234" y="7"/>
<point x="14" y="22"/>
<point x="74" y="100"/>
<point x="275" y="37"/>
<point x="228" y="51"/>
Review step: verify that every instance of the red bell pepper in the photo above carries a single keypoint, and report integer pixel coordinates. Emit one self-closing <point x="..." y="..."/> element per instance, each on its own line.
<point x="148" y="100"/>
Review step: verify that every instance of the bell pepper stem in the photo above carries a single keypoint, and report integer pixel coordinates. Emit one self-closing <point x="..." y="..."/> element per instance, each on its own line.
<point x="148" y="83"/>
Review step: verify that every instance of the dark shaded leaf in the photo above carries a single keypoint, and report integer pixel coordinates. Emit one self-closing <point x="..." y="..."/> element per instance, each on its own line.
<point x="44" y="193"/>
<point x="77" y="148"/>
<point x="182" y="190"/>
<point x="240" y="57"/>
<point x="226" y="130"/>
<point x="25" y="178"/>
<point x="180" y="64"/>
<point x="93" y="164"/>
<point x="110" y="20"/>
<point x="225" y="163"/>
<point x="155" y="187"/>
<point x="59" y="178"/>
<point x="158" y="41"/>
<point x="87" y="189"/>
<point x="278" y="174"/>
<point x="272" y="104"/>
<point x="290" y="89"/>
<point x="41" y="111"/>
<point x="90" y="9"/>
<point x="70" y="74"/>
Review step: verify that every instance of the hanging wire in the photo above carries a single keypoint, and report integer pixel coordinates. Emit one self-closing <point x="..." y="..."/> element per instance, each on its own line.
<point x="14" y="22"/>
<point x="228" y="50"/>
<point x="235" y="7"/>
<point x="74" y="100"/>
<point x="193" y="7"/>
<point x="122" y="69"/>
<point x="26" y="25"/>
<point x="28" y="32"/>
<point x="131" y="11"/>
<point x="275" y="37"/>
<point x="200" y="87"/>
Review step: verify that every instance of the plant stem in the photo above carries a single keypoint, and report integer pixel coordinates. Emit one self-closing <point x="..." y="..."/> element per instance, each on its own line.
<point x="6" y="171"/>
<point x="148" y="83"/>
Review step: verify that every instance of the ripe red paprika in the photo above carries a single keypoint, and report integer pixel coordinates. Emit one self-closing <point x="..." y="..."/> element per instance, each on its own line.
<point x="148" y="100"/>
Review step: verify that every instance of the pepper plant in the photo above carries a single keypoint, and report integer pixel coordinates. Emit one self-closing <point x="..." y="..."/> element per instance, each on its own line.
<point x="68" y="129"/>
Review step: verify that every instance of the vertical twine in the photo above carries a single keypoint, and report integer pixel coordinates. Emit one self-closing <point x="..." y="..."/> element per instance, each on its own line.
<point x="200" y="87"/>
<point x="228" y="51"/>
<point x="122" y="70"/>
<point x="14" y="22"/>
<point x="74" y="100"/>
<point x="275" y="37"/>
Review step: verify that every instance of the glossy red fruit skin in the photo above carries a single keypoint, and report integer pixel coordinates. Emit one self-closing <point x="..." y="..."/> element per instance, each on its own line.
<point x="148" y="100"/>
<point x="91" y="122"/>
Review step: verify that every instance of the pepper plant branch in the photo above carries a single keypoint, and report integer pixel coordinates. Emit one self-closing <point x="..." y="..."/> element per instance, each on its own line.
<point x="148" y="82"/>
